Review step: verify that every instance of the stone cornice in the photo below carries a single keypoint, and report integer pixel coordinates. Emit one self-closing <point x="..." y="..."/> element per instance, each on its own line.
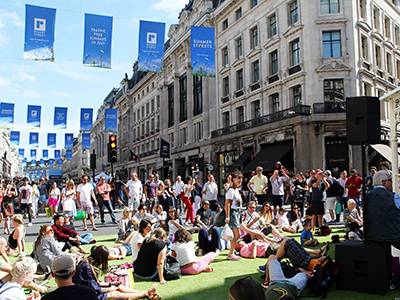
<point x="292" y="30"/>
<point x="333" y="66"/>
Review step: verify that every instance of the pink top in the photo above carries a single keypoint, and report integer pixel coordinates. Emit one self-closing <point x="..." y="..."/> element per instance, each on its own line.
<point x="104" y="186"/>
<point x="261" y="249"/>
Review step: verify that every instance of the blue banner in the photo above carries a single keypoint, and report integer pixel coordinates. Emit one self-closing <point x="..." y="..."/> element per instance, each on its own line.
<point x="45" y="154"/>
<point x="34" y="139"/>
<point x="6" y="113"/>
<point x="151" y="46"/>
<point x="69" y="140"/>
<point x="86" y="119"/>
<point x="60" y="117"/>
<point x="33" y="118"/>
<point x="85" y="140"/>
<point x="39" y="33"/>
<point x="42" y="162"/>
<point x="43" y="174"/>
<point x="14" y="138"/>
<point x="33" y="173"/>
<point x="68" y="154"/>
<point x="21" y="153"/>
<point x="57" y="154"/>
<point x="33" y="153"/>
<point x="52" y="140"/>
<point x="97" y="42"/>
<point x="59" y="162"/>
<point x="111" y="119"/>
<point x="51" y="162"/>
<point x="202" y="48"/>
<point x="24" y="162"/>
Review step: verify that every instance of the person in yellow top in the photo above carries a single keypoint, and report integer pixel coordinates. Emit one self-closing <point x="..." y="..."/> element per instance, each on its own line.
<point x="258" y="185"/>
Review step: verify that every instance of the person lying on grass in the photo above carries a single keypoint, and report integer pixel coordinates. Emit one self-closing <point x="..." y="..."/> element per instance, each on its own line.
<point x="259" y="235"/>
<point x="252" y="250"/>
<point x="183" y="249"/>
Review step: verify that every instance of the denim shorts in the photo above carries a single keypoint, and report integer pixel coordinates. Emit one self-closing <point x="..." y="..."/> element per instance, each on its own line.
<point x="128" y="248"/>
<point x="235" y="218"/>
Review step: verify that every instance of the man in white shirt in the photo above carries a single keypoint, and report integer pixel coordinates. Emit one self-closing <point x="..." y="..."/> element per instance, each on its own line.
<point x="210" y="192"/>
<point x="178" y="190"/>
<point x="25" y="199"/>
<point x="278" y="180"/>
<point x="133" y="189"/>
<point x="84" y="194"/>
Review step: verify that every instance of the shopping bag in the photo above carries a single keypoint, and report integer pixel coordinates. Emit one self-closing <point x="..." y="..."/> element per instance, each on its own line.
<point x="48" y="212"/>
<point x="127" y="275"/>
<point x="80" y="215"/>
<point x="227" y="233"/>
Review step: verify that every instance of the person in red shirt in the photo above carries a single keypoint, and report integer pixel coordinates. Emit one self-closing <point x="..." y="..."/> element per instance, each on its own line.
<point x="103" y="190"/>
<point x="353" y="186"/>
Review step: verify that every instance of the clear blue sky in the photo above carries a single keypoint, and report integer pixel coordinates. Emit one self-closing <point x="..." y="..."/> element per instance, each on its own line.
<point x="66" y="82"/>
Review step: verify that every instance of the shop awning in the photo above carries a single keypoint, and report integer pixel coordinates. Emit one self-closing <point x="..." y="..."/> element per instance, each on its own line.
<point x="241" y="160"/>
<point x="269" y="155"/>
<point x="384" y="150"/>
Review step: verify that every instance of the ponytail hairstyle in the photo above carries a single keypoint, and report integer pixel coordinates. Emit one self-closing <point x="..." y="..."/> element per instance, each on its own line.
<point x="22" y="265"/>
<point x="159" y="234"/>
<point x="41" y="235"/>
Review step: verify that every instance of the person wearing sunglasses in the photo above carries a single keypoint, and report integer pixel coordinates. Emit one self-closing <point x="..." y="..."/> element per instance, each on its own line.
<point x="46" y="248"/>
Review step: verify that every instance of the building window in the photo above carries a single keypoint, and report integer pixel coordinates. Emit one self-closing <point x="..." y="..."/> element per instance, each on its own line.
<point x="225" y="119"/>
<point x="158" y="101"/>
<point x="295" y="48"/>
<point x="398" y="68"/>
<point x="239" y="79"/>
<point x="387" y="27"/>
<point x="225" y="24"/>
<point x="397" y="35"/>
<point x="147" y="127"/>
<point x="143" y="115"/>
<point x="256" y="109"/>
<point x="275" y="102"/>
<point x="253" y="3"/>
<point x="254" y="37"/>
<point x="239" y="48"/>
<point x="331" y="43"/>
<point x="171" y="105"/>
<point x="389" y="63"/>
<point x="294" y="12"/>
<point x="329" y="6"/>
<point x="152" y="105"/>
<point x="147" y="108"/>
<point x="197" y="95"/>
<point x="238" y="14"/>
<point x="240" y="114"/>
<point x="367" y="89"/>
<point x="226" y="86"/>
<point x="272" y="25"/>
<point x="183" y="136"/>
<point x="225" y="57"/>
<point x="364" y="47"/>
<point x="333" y="90"/>
<point x="378" y="59"/>
<point x="296" y="95"/>
<point x="256" y="71"/>
<point x="376" y="18"/>
<point x="362" y="8"/>
<point x="183" y="98"/>
<point x="273" y="58"/>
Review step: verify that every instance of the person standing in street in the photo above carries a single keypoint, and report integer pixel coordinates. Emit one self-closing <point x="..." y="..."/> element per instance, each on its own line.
<point x="318" y="185"/>
<point x="278" y="180"/>
<point x="133" y="190"/>
<point x="178" y="189"/>
<point x="210" y="192"/>
<point x="84" y="194"/>
<point x="150" y="188"/>
<point x="103" y="190"/>
<point x="260" y="183"/>
<point x="43" y="193"/>
<point x="331" y="196"/>
<point x="353" y="185"/>
<point x="25" y="199"/>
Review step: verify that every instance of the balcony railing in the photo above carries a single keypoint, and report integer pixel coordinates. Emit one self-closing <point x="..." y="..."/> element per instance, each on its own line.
<point x="329" y="107"/>
<point x="274" y="117"/>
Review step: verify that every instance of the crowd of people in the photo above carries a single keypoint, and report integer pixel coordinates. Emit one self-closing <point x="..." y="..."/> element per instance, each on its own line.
<point x="152" y="228"/>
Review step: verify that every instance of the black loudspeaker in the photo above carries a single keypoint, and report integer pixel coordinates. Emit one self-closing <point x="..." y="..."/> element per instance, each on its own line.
<point x="363" y="122"/>
<point x="362" y="267"/>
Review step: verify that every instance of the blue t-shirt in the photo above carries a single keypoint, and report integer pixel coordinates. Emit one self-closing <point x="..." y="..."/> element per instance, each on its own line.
<point x="307" y="235"/>
<point x="371" y="186"/>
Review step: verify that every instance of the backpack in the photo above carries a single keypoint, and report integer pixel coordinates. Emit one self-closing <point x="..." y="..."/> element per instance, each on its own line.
<point x="339" y="189"/>
<point x="324" y="277"/>
<point x="325" y="230"/>
<point x="288" y="270"/>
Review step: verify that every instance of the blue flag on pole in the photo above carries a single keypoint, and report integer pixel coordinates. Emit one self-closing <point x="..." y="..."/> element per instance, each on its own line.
<point x="24" y="161"/>
<point x="97" y="42"/>
<point x="45" y="154"/>
<point x="86" y="119"/>
<point x="43" y="174"/>
<point x="39" y="33"/>
<point x="151" y="46"/>
<point x="52" y="140"/>
<point x="34" y="139"/>
<point x="33" y="118"/>
<point x="69" y="140"/>
<point x="6" y="113"/>
<point x="111" y="119"/>
<point x="33" y="153"/>
<point x="14" y="138"/>
<point x="59" y="162"/>
<point x="51" y="162"/>
<point x="42" y="162"/>
<point x="60" y="117"/>
<point x="202" y="48"/>
<point x="85" y="140"/>
<point x="21" y="153"/>
<point x="68" y="154"/>
<point x="57" y="154"/>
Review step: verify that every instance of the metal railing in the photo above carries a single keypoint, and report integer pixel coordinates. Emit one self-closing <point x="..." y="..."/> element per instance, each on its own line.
<point x="329" y="107"/>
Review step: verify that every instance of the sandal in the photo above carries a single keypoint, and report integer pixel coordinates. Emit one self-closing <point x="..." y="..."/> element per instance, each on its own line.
<point x="154" y="297"/>
<point x="323" y="252"/>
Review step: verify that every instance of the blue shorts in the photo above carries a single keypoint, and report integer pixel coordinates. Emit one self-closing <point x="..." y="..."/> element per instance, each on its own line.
<point x="128" y="248"/>
<point x="43" y="199"/>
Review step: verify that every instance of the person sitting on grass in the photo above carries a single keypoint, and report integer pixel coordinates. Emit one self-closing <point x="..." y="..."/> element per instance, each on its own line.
<point x="283" y="222"/>
<point x="350" y="214"/>
<point x="124" y="225"/>
<point x="17" y="238"/>
<point x="175" y="222"/>
<point x="144" y="232"/>
<point x="142" y="215"/>
<point x="183" y="249"/>
<point x="354" y="233"/>
<point x="45" y="248"/>
<point x="160" y="215"/>
<point x="203" y="217"/>
<point x="246" y="289"/>
<point x="294" y="216"/>
<point x="254" y="249"/>
<point x="306" y="238"/>
<point x="279" y="286"/>
<point x="86" y="238"/>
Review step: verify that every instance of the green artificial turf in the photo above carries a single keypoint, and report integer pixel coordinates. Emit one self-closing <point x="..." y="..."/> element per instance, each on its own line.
<point x="215" y="285"/>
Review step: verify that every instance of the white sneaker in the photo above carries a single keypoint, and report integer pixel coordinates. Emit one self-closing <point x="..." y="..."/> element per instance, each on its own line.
<point x="29" y="224"/>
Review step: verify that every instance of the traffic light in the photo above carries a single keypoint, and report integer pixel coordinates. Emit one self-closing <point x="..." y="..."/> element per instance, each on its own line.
<point x="112" y="148"/>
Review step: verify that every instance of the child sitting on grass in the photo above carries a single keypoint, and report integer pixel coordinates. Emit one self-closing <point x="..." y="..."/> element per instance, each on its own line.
<point x="283" y="222"/>
<point x="306" y="238"/>
<point x="354" y="233"/>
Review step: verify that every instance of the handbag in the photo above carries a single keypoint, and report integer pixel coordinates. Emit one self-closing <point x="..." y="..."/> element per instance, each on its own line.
<point x="80" y="215"/>
<point x="48" y="212"/>
<point x="227" y="233"/>
<point x="172" y="269"/>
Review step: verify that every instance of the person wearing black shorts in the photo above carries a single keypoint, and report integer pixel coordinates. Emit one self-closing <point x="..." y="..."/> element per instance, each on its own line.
<point x="318" y="185"/>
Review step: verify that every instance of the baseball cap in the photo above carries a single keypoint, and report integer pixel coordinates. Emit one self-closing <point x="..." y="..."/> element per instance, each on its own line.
<point x="63" y="265"/>
<point x="327" y="172"/>
<point x="318" y="171"/>
<point x="353" y="171"/>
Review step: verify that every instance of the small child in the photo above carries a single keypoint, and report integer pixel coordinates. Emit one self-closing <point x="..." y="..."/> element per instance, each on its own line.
<point x="283" y="222"/>
<point x="306" y="238"/>
<point x="354" y="233"/>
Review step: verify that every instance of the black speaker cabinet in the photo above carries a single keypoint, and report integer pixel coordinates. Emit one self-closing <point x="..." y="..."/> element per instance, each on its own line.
<point x="362" y="267"/>
<point x="363" y="123"/>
